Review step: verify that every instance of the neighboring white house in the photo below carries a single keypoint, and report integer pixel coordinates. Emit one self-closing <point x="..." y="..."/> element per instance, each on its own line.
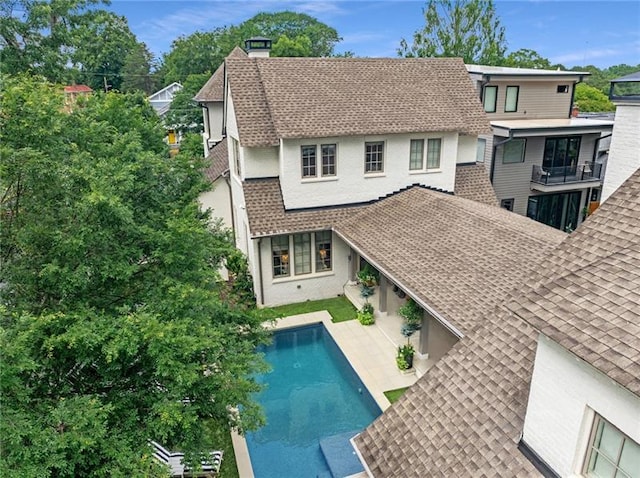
<point x="161" y="101"/>
<point x="624" y="154"/>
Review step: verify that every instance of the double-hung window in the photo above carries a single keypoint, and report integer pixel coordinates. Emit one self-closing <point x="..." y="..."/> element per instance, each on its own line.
<point x="311" y="254"/>
<point x="490" y="98"/>
<point x="611" y="453"/>
<point x="309" y="166"/>
<point x="416" y="154"/>
<point x="434" y="148"/>
<point x="328" y="159"/>
<point x="374" y="157"/>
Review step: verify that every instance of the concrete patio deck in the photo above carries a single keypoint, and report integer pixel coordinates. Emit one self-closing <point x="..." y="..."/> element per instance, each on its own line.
<point x="371" y="351"/>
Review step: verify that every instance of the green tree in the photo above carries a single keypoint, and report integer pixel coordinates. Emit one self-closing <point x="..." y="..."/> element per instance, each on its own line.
<point x="469" y="29"/>
<point x="39" y="36"/>
<point x="112" y="331"/>
<point x="285" y="46"/>
<point x="137" y="71"/>
<point x="195" y="54"/>
<point x="591" y="99"/>
<point x="525" y="58"/>
<point x="184" y="114"/>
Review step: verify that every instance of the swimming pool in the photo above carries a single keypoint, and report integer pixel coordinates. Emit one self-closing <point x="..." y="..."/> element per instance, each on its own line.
<point x="312" y="395"/>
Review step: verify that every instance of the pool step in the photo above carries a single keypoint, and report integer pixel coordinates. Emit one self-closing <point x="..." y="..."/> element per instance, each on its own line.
<point x="340" y="455"/>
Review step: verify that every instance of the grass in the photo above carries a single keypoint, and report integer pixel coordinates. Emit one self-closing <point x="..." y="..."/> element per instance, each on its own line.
<point x="220" y="439"/>
<point x="394" y="395"/>
<point x="339" y="307"/>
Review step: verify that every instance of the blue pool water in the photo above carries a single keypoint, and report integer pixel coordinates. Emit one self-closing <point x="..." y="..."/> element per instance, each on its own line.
<point x="312" y="393"/>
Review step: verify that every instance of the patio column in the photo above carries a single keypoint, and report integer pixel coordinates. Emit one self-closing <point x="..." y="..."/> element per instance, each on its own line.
<point x="423" y="347"/>
<point x="382" y="302"/>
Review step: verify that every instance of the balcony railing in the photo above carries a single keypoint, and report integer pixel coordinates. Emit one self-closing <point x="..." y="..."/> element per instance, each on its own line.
<point x="566" y="174"/>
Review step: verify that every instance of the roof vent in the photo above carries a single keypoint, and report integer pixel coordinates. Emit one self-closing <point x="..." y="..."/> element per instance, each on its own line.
<point x="258" y="47"/>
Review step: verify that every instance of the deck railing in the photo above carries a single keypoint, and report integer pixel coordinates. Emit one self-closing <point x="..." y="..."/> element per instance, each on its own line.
<point x="566" y="174"/>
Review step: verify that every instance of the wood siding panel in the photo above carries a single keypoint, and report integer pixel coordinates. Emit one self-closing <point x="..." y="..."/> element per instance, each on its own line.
<point x="536" y="99"/>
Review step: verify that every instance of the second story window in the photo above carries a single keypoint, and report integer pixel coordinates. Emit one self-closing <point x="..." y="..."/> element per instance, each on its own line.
<point x="511" y="99"/>
<point x="374" y="157"/>
<point x="611" y="453"/>
<point x="490" y="98"/>
<point x="328" y="159"/>
<point x="416" y="154"/>
<point x="513" y="151"/>
<point x="236" y="156"/>
<point x="308" y="161"/>
<point x="434" y="148"/>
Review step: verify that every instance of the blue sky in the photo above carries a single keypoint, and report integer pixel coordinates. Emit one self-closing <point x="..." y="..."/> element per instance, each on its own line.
<point x="601" y="33"/>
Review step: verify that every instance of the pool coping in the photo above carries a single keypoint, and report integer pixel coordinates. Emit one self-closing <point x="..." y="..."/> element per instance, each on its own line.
<point x="367" y="350"/>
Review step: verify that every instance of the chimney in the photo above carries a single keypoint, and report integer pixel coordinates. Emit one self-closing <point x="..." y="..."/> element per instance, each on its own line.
<point x="575" y="111"/>
<point x="257" y="47"/>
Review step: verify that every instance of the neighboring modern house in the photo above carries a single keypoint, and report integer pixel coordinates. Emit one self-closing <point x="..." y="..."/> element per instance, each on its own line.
<point x="161" y="101"/>
<point x="547" y="384"/>
<point x="624" y="153"/>
<point x="542" y="161"/>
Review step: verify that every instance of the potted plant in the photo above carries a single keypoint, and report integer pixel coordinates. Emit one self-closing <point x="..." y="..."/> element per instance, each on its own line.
<point x="367" y="281"/>
<point x="365" y="315"/>
<point x="404" y="358"/>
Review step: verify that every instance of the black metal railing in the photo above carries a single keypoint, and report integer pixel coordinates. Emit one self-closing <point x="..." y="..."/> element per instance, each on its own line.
<point x="566" y="174"/>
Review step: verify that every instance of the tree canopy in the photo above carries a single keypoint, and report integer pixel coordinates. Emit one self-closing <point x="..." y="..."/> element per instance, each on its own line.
<point x="590" y="99"/>
<point x="469" y="29"/>
<point x="112" y="329"/>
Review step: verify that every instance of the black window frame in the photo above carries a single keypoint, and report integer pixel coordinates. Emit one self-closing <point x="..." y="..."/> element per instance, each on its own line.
<point x="506" y="98"/>
<point x="522" y="141"/>
<point x="495" y="99"/>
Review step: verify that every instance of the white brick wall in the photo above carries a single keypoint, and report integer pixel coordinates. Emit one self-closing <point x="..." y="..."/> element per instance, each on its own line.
<point x="624" y="154"/>
<point x="565" y="392"/>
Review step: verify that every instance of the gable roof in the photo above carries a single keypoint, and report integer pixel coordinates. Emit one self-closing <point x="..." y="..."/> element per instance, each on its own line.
<point x="218" y="161"/>
<point x="472" y="182"/>
<point x="588" y="300"/>
<point x="213" y="89"/>
<point x="466" y="414"/>
<point x="323" y="97"/>
<point x="171" y="88"/>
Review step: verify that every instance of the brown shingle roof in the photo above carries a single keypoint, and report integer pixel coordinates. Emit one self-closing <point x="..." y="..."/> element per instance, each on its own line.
<point x="213" y="89"/>
<point x="464" y="417"/>
<point x="460" y="257"/>
<point x="218" y="161"/>
<point x="588" y="300"/>
<point x="472" y="182"/>
<point x="321" y="97"/>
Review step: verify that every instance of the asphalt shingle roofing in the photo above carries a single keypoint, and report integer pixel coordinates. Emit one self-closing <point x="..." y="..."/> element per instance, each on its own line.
<point x="464" y="417"/>
<point x="278" y="98"/>
<point x="218" y="160"/>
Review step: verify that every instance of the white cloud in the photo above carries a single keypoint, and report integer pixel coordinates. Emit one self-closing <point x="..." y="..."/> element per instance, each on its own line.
<point x="582" y="57"/>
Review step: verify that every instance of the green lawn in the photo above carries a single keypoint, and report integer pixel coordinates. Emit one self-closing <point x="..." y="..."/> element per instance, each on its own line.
<point x="393" y="395"/>
<point x="339" y="307"/>
<point x="220" y="439"/>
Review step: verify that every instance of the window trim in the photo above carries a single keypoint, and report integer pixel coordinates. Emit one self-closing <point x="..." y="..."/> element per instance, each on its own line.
<point x="315" y="161"/>
<point x="495" y="99"/>
<point x="314" y="259"/>
<point x="508" y="202"/>
<point x="422" y="157"/>
<point x="426" y="163"/>
<point x="335" y="160"/>
<point x="523" y="154"/>
<point x="236" y="157"/>
<point x="367" y="160"/>
<point x="591" y="447"/>
<point x="506" y="98"/>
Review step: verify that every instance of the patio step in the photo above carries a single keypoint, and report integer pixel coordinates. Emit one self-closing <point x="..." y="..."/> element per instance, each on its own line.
<point x="340" y="455"/>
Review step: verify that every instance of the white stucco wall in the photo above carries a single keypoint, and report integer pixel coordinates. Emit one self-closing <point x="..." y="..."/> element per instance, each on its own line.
<point x="565" y="393"/>
<point x="624" y="154"/>
<point x="351" y="184"/>
<point x="467" y="149"/>
<point x="304" y="287"/>
<point x="219" y="201"/>
<point x="260" y="162"/>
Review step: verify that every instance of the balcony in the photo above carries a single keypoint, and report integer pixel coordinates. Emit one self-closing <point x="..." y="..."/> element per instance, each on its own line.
<point x="566" y="177"/>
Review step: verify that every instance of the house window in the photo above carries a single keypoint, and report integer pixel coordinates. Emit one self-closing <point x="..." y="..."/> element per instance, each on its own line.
<point x="374" y="157"/>
<point x="323" y="251"/>
<point x="302" y="253"/>
<point x="490" y="98"/>
<point x="513" y="151"/>
<point x="308" y="161"/>
<point x="511" y="99"/>
<point x="236" y="156"/>
<point x="561" y="155"/>
<point x="416" y="154"/>
<point x="311" y="254"/>
<point x="482" y="145"/>
<point x="507" y="204"/>
<point x="280" y="255"/>
<point x="328" y="159"/>
<point x="611" y="453"/>
<point x="434" y="146"/>
<point x="563" y="89"/>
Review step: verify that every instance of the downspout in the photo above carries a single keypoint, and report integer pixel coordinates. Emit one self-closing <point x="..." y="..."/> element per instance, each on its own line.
<point x="227" y="180"/>
<point x="573" y="95"/>
<point x="260" y="270"/>
<point x="493" y="154"/>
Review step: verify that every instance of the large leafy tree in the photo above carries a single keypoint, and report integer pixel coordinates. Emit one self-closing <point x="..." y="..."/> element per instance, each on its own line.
<point x="138" y="71"/>
<point x="111" y="328"/>
<point x="591" y="99"/>
<point x="526" y="58"/>
<point x="469" y="29"/>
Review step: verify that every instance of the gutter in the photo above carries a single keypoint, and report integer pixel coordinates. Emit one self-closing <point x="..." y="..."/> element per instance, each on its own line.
<point x="493" y="154"/>
<point x="448" y="325"/>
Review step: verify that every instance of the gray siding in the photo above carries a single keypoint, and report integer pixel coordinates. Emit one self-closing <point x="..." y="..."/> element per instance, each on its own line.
<point x="536" y="99"/>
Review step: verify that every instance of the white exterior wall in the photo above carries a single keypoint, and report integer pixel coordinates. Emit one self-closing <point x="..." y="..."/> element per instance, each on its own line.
<point x="565" y="392"/>
<point x="219" y="201"/>
<point x="260" y="162"/>
<point x="624" y="154"/>
<point x="467" y="149"/>
<point x="351" y="184"/>
<point x="214" y="125"/>
<point x="304" y="287"/>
